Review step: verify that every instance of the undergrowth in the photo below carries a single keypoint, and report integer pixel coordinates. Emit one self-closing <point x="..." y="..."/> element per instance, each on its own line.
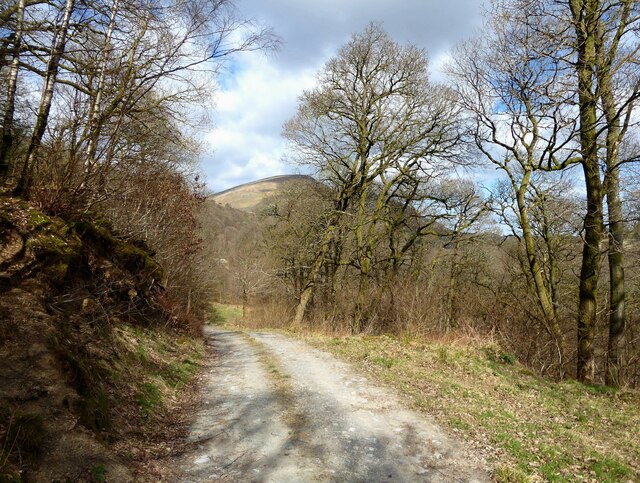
<point x="86" y="337"/>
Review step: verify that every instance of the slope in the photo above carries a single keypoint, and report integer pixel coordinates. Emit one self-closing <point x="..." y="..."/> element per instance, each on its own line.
<point x="91" y="359"/>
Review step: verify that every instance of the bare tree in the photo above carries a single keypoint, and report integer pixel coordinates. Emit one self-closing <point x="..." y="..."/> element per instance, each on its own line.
<point x="604" y="56"/>
<point x="58" y="46"/>
<point x="616" y="52"/>
<point x="515" y="101"/>
<point x="114" y="57"/>
<point x="374" y="118"/>
<point x="566" y="69"/>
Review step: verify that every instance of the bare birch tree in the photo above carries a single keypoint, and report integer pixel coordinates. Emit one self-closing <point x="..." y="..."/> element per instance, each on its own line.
<point x="9" y="108"/>
<point x="58" y="46"/>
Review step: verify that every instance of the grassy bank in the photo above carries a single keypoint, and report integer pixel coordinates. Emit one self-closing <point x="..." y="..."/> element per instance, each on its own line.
<point x="531" y="429"/>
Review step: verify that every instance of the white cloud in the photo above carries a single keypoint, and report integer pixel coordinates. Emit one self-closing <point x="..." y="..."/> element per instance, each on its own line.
<point x="251" y="107"/>
<point x="258" y="92"/>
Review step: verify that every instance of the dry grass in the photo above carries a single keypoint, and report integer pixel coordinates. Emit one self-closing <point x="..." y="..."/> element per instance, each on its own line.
<point x="271" y="316"/>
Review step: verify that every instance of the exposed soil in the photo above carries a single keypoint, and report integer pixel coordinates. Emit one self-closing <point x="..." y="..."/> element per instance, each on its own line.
<point x="275" y="409"/>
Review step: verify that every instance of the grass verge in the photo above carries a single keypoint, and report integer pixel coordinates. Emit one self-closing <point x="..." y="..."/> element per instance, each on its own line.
<point x="161" y="364"/>
<point x="531" y="429"/>
<point x="281" y="385"/>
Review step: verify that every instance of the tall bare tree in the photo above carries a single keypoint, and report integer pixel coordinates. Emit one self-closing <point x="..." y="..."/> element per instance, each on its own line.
<point x="617" y="52"/>
<point x="374" y="118"/>
<point x="515" y="101"/>
<point x="58" y="46"/>
<point x="570" y="74"/>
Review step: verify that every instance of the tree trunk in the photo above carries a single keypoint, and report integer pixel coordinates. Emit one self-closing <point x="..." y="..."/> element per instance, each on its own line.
<point x="245" y="299"/>
<point x="58" y="48"/>
<point x="363" y="307"/>
<point x="314" y="272"/>
<point x="617" y="317"/>
<point x="615" y="253"/>
<point x="585" y="18"/>
<point x="452" y="289"/>
<point x="94" y="120"/>
<point x="364" y="261"/>
<point x="7" y="122"/>
<point x="616" y="279"/>
<point x="589" y="275"/>
<point x="543" y="293"/>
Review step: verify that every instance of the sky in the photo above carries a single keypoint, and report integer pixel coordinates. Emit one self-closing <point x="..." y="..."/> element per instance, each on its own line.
<point x="258" y="91"/>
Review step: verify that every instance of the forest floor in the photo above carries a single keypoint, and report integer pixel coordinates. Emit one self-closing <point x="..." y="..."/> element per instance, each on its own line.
<point x="276" y="409"/>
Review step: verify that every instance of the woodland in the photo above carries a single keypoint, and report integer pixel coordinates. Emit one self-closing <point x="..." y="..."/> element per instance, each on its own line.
<point x="95" y="124"/>
<point x="396" y="232"/>
<point x="396" y="236"/>
<point x="499" y="202"/>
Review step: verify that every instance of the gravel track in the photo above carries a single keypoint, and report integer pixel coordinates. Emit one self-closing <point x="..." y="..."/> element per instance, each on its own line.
<point x="276" y="410"/>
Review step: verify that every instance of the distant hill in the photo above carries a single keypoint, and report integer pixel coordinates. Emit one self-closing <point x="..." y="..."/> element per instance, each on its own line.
<point x="250" y="196"/>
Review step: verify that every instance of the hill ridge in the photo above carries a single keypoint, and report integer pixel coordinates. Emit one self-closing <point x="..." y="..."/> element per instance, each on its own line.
<point x="279" y="177"/>
<point x="250" y="196"/>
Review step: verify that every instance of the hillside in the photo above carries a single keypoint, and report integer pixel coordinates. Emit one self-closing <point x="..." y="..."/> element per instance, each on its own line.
<point x="250" y="196"/>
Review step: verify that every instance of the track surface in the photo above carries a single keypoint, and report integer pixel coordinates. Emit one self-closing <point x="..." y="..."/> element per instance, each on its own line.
<point x="276" y="410"/>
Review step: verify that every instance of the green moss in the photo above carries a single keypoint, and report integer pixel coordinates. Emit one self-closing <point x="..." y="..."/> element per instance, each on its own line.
<point x="136" y="258"/>
<point x="38" y="220"/>
<point x="58" y="271"/>
<point x="50" y="244"/>
<point x="101" y="237"/>
<point x="48" y="239"/>
<point x="130" y="256"/>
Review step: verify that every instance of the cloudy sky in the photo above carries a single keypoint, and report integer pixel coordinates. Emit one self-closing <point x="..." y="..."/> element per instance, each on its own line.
<point x="259" y="91"/>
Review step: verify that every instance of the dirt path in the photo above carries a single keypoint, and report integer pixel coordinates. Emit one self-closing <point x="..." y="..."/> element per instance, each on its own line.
<point x="277" y="410"/>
